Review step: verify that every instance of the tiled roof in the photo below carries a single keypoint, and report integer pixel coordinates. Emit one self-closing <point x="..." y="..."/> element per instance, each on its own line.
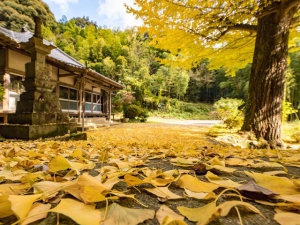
<point x="56" y="53"/>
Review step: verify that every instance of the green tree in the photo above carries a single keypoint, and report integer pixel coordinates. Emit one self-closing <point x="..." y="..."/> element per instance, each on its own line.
<point x="230" y="34"/>
<point x="14" y="14"/>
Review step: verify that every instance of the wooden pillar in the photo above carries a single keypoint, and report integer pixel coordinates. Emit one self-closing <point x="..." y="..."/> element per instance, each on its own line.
<point x="83" y="98"/>
<point x="57" y="83"/>
<point x="109" y="106"/>
<point x="6" y="84"/>
<point x="5" y="77"/>
<point x="105" y="109"/>
<point x="92" y="101"/>
<point x="79" y="109"/>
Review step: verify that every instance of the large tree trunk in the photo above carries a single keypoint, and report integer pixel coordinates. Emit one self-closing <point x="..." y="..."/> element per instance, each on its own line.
<point x="266" y="86"/>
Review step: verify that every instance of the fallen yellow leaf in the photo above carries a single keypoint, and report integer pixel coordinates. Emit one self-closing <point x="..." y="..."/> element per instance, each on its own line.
<point x="217" y="180"/>
<point x="37" y="212"/>
<point x="200" y="195"/>
<point x="286" y="218"/>
<point x="78" y="211"/>
<point x="59" y="163"/>
<point x="119" y="215"/>
<point x="165" y="211"/>
<point x="21" y="205"/>
<point x="5" y="206"/>
<point x="163" y="192"/>
<point x="202" y="215"/>
<point x="194" y="184"/>
<point x="279" y="185"/>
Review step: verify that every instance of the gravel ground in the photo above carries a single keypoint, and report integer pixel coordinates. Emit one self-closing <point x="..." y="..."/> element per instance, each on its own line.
<point x="154" y="203"/>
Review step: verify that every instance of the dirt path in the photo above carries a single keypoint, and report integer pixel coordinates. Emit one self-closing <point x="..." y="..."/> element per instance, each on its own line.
<point x="183" y="122"/>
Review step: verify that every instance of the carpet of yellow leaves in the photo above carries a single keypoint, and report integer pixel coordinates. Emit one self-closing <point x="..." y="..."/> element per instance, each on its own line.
<point x="82" y="179"/>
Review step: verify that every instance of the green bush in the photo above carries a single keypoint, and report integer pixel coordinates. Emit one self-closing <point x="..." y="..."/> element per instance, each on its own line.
<point x="132" y="111"/>
<point x="228" y="111"/>
<point x="190" y="108"/>
<point x="287" y="109"/>
<point x="144" y="115"/>
<point x="1" y="92"/>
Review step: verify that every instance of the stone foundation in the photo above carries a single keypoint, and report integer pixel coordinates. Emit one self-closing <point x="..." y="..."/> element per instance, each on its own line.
<point x="33" y="132"/>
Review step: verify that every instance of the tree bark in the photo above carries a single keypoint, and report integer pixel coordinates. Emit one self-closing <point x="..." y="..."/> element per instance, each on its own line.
<point x="266" y="87"/>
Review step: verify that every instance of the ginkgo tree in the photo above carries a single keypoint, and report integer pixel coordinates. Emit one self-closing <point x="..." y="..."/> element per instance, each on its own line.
<point x="231" y="34"/>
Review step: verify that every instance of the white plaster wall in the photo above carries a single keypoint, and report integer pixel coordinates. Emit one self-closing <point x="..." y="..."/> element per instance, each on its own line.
<point x="54" y="73"/>
<point x="17" y="61"/>
<point x="67" y="80"/>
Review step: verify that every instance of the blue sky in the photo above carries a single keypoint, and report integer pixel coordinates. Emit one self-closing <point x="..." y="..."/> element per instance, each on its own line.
<point x="109" y="13"/>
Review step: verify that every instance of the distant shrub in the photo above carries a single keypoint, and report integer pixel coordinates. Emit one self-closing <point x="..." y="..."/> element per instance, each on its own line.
<point x="287" y="109"/>
<point x="132" y="111"/>
<point x="1" y="92"/>
<point x="228" y="111"/>
<point x="190" y="108"/>
<point x="144" y="115"/>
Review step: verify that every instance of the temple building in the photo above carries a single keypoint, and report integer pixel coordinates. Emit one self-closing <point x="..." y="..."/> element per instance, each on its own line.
<point x="81" y="91"/>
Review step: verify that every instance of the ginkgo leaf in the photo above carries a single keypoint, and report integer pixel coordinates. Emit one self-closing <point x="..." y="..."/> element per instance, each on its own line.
<point x="77" y="154"/>
<point x="217" y="180"/>
<point x="89" y="194"/>
<point x="296" y="183"/>
<point x="286" y="218"/>
<point x="78" y="211"/>
<point x="290" y="198"/>
<point x="238" y="162"/>
<point x="81" y="166"/>
<point x="73" y="189"/>
<point x="37" y="212"/>
<point x="59" y="163"/>
<point x="165" y="211"/>
<point x="5" y="206"/>
<point x="110" y="182"/>
<point x="220" y="168"/>
<point x="287" y="205"/>
<point x="122" y="195"/>
<point x="119" y="215"/>
<point x="194" y="184"/>
<point x="48" y="188"/>
<point x="225" y="207"/>
<point x="268" y="165"/>
<point x="170" y="221"/>
<point x="202" y="215"/>
<point x="200" y="195"/>
<point x="216" y="162"/>
<point x="87" y="180"/>
<point x="161" y="181"/>
<point x="280" y="185"/>
<point x="132" y="181"/>
<point x="14" y="188"/>
<point x="163" y="192"/>
<point x="21" y="205"/>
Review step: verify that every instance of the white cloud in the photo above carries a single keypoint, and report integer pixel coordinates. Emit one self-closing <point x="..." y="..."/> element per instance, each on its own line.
<point x="113" y="13"/>
<point x="63" y="4"/>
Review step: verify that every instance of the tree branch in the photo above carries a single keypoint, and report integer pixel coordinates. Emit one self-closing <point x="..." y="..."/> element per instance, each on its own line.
<point x="295" y="21"/>
<point x="291" y="4"/>
<point x="244" y="27"/>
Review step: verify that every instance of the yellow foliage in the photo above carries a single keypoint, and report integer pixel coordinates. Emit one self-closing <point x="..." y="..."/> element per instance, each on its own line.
<point x="223" y="31"/>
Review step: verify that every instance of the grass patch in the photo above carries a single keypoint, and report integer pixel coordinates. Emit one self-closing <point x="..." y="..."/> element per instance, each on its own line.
<point x="291" y="132"/>
<point x="173" y="108"/>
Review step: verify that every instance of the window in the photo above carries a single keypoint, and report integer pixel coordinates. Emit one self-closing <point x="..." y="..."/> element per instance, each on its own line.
<point x="63" y="92"/>
<point x="96" y="99"/>
<point x="68" y="98"/>
<point x="73" y="94"/>
<point x="16" y="84"/>
<point x="88" y="97"/>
